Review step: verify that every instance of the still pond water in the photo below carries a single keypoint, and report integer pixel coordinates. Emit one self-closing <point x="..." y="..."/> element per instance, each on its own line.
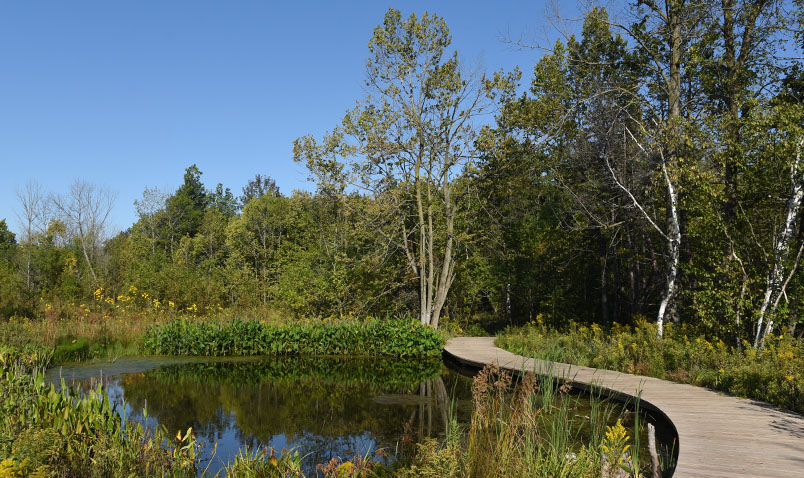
<point x="324" y="407"/>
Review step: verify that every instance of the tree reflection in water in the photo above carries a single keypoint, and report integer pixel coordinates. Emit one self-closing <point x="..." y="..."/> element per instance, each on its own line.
<point x="323" y="407"/>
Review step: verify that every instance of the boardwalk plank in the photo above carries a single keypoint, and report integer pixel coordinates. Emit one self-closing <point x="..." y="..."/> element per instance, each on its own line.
<point x="720" y="436"/>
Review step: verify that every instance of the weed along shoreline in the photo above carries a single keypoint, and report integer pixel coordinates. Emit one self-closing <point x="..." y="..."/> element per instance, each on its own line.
<point x="718" y="435"/>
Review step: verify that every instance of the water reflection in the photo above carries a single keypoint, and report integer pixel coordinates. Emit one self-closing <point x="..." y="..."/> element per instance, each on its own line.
<point x="324" y="407"/>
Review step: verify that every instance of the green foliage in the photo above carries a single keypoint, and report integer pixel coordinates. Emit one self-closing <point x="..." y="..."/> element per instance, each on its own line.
<point x="7" y="239"/>
<point x="433" y="461"/>
<point x="87" y="336"/>
<point x="69" y="349"/>
<point x="187" y="205"/>
<point x="527" y="207"/>
<point x="222" y="200"/>
<point x="258" y="187"/>
<point x="258" y="464"/>
<point x="774" y="374"/>
<point x="398" y="338"/>
<point x="44" y="432"/>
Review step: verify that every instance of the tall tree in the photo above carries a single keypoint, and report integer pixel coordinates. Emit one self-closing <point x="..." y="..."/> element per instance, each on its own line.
<point x="187" y="205"/>
<point x="10" y="281"/>
<point x="255" y="238"/>
<point x="663" y="33"/>
<point x="587" y="117"/>
<point x="148" y="209"/>
<point x="257" y="187"/>
<point x="33" y="218"/>
<point x="222" y="200"/>
<point x="85" y="210"/>
<point x="741" y="64"/>
<point x="413" y="132"/>
<point x="7" y="241"/>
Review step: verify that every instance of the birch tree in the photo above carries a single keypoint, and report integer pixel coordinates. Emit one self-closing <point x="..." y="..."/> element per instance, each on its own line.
<point x="673" y="234"/>
<point x="662" y="33"/>
<point x="610" y="108"/>
<point x="781" y="249"/>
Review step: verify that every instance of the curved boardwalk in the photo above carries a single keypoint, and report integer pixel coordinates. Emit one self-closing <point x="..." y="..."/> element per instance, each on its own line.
<point x="720" y="436"/>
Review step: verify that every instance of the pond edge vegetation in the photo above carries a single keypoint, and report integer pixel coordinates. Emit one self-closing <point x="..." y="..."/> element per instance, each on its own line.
<point x="373" y="337"/>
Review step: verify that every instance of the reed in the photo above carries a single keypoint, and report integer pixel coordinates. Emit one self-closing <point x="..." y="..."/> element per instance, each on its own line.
<point x="530" y="430"/>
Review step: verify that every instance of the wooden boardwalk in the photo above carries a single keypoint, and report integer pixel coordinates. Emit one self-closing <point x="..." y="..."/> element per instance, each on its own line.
<point x="719" y="436"/>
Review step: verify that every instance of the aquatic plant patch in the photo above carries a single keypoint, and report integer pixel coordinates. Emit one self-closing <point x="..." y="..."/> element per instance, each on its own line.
<point x="396" y="338"/>
<point x="45" y="432"/>
<point x="77" y="339"/>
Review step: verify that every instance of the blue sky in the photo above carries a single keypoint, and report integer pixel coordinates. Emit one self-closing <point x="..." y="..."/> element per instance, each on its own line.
<point x="128" y="94"/>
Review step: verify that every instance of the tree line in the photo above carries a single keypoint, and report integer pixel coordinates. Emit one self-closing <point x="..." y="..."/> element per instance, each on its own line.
<point x="651" y="168"/>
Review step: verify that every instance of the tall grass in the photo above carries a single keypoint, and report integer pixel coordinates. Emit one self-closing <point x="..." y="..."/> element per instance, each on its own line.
<point x="74" y="339"/>
<point x="532" y="431"/>
<point x="258" y="464"/>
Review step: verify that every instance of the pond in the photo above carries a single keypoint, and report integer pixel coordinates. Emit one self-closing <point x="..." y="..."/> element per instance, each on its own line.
<point x="323" y="407"/>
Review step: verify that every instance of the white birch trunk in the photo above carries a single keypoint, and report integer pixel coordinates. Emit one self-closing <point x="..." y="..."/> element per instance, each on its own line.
<point x="781" y="250"/>
<point x="673" y="238"/>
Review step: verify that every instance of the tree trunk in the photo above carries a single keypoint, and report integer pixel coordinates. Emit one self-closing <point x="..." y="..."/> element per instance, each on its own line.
<point x="424" y="310"/>
<point x="673" y="237"/>
<point x="604" y="299"/>
<point x="447" y="274"/>
<point x="674" y="116"/>
<point x="781" y="250"/>
<point x="83" y="239"/>
<point x="674" y="243"/>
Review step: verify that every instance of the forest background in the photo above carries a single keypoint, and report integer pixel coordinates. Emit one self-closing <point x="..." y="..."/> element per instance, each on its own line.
<point x="651" y="169"/>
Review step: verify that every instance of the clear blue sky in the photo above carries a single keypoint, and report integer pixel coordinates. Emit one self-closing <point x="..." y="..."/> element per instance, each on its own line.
<point x="127" y="94"/>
